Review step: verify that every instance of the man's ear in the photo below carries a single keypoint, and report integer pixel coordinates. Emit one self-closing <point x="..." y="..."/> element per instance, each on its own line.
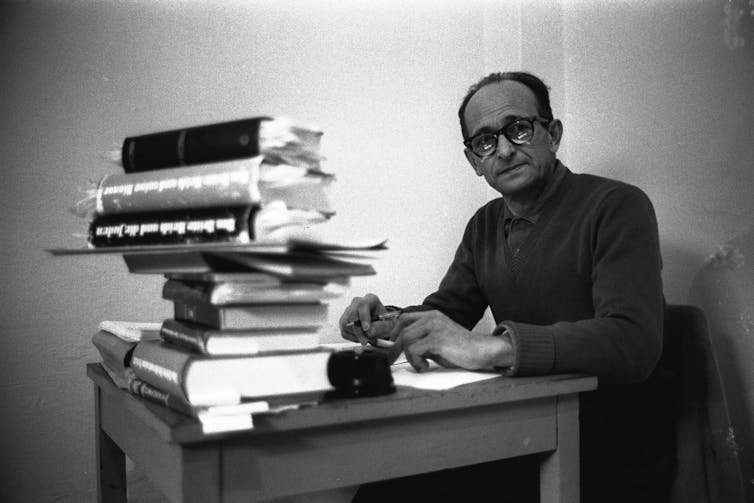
<point x="555" y="130"/>
<point x="472" y="160"/>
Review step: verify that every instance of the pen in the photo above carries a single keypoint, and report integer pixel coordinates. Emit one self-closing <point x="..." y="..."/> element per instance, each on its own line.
<point x="376" y="341"/>
<point x="380" y="343"/>
<point x="382" y="317"/>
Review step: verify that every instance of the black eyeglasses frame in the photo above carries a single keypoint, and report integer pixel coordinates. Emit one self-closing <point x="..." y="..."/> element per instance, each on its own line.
<point x="502" y="131"/>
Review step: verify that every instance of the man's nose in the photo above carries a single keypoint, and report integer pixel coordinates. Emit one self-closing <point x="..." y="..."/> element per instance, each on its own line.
<point x="505" y="148"/>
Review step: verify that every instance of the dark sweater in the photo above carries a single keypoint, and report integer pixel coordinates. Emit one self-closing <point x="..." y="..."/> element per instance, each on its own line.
<point x="588" y="293"/>
<point x="587" y="297"/>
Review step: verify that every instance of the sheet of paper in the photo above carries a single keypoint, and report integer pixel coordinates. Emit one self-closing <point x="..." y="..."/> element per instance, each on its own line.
<point x="437" y="377"/>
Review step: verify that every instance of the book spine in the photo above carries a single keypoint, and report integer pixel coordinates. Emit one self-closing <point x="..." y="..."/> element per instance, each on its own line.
<point x="198" y="313"/>
<point x="232" y="224"/>
<point x="115" y="351"/>
<point x="233" y="183"/>
<point x="161" y="366"/>
<point x="230" y="293"/>
<point x="248" y="317"/>
<point x="207" y="341"/>
<point x="194" y="145"/>
<point x="184" y="292"/>
<point x="145" y="390"/>
<point x="175" y="332"/>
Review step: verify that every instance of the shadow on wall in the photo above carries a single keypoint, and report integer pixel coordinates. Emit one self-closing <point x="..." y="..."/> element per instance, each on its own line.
<point x="724" y="289"/>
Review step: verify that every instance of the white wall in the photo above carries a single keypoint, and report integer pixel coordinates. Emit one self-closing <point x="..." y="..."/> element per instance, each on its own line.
<point x="655" y="98"/>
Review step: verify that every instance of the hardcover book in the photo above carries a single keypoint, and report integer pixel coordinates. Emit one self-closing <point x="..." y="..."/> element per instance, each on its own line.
<point x="252" y="316"/>
<point x="231" y="224"/>
<point x="228" y="183"/>
<point x="214" y="419"/>
<point x="231" y="183"/>
<point x="236" y="225"/>
<point x="315" y="234"/>
<point x="240" y="292"/>
<point x="115" y="353"/>
<point x="203" y="381"/>
<point x="278" y="140"/>
<point x="200" y="339"/>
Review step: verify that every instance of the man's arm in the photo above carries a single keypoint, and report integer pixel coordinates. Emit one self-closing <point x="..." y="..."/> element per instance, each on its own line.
<point x="431" y="334"/>
<point x="621" y="341"/>
<point x="459" y="295"/>
<point x="440" y="327"/>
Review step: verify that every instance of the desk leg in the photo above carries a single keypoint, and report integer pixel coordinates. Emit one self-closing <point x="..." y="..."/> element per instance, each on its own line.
<point x="559" y="473"/>
<point x="111" y="461"/>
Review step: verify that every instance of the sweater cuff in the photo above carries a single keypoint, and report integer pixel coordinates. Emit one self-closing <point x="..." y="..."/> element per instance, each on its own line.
<point x="533" y="349"/>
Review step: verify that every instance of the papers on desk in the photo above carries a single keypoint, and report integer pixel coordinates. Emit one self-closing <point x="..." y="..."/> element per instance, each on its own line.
<point x="239" y="417"/>
<point x="235" y="417"/>
<point x="437" y="377"/>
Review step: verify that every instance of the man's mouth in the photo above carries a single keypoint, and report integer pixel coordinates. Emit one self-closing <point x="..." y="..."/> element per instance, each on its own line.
<point x="512" y="169"/>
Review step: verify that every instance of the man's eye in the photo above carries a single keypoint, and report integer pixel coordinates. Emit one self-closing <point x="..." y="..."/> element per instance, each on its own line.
<point x="518" y="130"/>
<point x="486" y="142"/>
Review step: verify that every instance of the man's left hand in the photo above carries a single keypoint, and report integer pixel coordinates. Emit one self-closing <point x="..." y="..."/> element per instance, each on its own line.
<point x="432" y="335"/>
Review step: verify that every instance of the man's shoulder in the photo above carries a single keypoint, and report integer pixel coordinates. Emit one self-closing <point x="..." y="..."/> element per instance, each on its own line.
<point x="595" y="193"/>
<point x="592" y="181"/>
<point x="601" y="186"/>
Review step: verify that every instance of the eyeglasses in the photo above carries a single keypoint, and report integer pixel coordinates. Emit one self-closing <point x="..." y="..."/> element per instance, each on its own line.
<point x="518" y="132"/>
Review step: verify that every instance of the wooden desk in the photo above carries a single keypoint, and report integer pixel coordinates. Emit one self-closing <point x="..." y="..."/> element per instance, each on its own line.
<point x="312" y="449"/>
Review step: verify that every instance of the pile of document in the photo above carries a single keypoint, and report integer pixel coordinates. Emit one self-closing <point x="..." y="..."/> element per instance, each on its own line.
<point x="236" y="217"/>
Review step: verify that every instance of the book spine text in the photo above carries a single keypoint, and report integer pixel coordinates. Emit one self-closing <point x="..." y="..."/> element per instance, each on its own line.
<point x="231" y="224"/>
<point x="233" y="183"/>
<point x="161" y="367"/>
<point x="145" y="390"/>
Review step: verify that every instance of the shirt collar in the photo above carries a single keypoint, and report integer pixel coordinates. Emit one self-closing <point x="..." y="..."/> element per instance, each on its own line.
<point x="550" y="189"/>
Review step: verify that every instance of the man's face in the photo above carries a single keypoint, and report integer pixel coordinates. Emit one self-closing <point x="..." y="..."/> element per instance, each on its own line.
<point x="513" y="170"/>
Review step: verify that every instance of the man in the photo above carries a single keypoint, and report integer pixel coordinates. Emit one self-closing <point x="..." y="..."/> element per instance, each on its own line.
<point x="569" y="265"/>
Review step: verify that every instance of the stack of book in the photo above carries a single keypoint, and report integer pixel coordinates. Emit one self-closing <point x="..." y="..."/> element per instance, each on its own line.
<point x="231" y="215"/>
<point x="233" y="182"/>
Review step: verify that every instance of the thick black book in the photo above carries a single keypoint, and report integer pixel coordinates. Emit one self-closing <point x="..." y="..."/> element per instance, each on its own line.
<point x="193" y="145"/>
<point x="278" y="140"/>
<point x="202" y="225"/>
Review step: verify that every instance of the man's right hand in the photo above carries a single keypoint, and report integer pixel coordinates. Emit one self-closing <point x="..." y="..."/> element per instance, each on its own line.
<point x="364" y="310"/>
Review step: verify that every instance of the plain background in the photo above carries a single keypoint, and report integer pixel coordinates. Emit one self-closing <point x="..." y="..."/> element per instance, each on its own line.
<point x="648" y="91"/>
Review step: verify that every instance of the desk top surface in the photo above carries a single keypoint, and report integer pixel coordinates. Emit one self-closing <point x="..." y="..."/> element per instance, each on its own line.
<point x="179" y="428"/>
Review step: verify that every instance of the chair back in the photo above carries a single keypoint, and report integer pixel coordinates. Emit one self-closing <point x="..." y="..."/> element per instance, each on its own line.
<point x="708" y="457"/>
